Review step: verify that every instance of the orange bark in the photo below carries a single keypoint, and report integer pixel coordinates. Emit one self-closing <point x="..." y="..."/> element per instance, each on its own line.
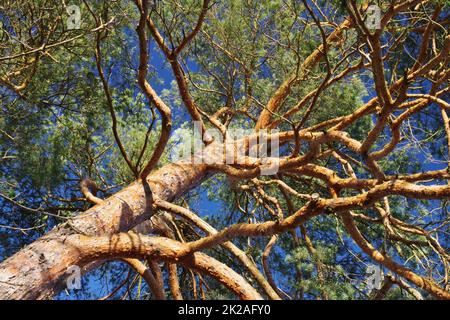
<point x="39" y="270"/>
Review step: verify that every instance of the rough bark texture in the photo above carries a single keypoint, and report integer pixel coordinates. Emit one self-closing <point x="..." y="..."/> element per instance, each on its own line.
<point x="39" y="270"/>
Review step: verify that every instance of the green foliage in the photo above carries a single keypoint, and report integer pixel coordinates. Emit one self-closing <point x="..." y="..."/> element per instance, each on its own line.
<point x="58" y="130"/>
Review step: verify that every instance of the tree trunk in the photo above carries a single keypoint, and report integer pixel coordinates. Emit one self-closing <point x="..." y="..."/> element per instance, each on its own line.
<point x="39" y="270"/>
